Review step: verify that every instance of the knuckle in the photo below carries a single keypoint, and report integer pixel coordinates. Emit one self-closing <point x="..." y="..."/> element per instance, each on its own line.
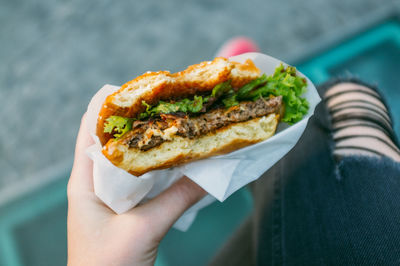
<point x="188" y="192"/>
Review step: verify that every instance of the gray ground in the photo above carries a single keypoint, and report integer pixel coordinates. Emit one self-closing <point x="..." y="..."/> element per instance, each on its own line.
<point x="56" y="54"/>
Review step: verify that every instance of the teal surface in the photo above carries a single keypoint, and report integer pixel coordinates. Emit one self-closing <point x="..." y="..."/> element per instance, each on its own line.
<point x="373" y="56"/>
<point x="33" y="228"/>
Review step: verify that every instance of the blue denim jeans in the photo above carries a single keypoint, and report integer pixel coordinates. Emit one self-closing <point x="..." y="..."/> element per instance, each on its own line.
<point x="313" y="210"/>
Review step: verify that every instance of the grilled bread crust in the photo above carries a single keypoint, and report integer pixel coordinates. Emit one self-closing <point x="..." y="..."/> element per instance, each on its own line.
<point x="152" y="87"/>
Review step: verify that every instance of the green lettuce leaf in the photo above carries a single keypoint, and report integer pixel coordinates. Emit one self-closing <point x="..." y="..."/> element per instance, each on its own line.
<point x="185" y="105"/>
<point x="230" y="99"/>
<point x="118" y="125"/>
<point x="221" y="89"/>
<point x="286" y="83"/>
<point x="246" y="89"/>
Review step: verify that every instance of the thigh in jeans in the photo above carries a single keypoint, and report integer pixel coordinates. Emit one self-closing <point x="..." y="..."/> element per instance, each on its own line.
<point x="325" y="212"/>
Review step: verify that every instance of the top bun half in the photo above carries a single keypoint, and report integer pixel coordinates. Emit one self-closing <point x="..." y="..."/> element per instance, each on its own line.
<point x="152" y="87"/>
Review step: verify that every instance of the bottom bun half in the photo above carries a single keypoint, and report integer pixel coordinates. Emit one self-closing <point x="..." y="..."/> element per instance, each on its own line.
<point x="182" y="150"/>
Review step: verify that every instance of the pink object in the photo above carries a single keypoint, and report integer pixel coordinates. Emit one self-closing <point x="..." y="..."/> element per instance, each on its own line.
<point x="236" y="46"/>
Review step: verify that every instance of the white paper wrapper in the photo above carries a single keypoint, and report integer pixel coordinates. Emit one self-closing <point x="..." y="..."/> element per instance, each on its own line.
<point x="220" y="176"/>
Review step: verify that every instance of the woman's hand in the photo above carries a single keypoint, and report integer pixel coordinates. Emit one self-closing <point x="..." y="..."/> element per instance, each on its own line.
<point x="98" y="236"/>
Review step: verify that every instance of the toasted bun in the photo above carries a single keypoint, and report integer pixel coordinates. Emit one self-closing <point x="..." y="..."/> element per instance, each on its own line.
<point x="155" y="86"/>
<point x="180" y="150"/>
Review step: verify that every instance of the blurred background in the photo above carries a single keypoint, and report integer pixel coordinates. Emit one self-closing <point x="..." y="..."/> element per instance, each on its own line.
<point x="56" y="54"/>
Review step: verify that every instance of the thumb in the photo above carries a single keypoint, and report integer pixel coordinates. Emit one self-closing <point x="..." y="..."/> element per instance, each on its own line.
<point x="163" y="210"/>
<point x="82" y="171"/>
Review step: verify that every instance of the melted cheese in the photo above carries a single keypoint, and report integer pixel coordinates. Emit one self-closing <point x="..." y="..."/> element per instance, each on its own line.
<point x="167" y="134"/>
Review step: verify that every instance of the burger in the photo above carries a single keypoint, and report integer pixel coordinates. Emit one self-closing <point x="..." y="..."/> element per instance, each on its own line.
<point x="160" y="120"/>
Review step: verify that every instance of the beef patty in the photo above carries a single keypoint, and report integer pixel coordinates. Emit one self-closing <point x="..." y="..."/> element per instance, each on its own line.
<point x="151" y="133"/>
